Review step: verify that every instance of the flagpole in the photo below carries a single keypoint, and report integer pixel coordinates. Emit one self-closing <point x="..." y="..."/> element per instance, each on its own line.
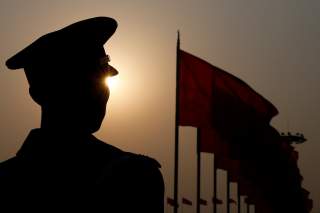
<point x="228" y="192"/>
<point x="198" y="170"/>
<point x="176" y="132"/>
<point x="239" y="197"/>
<point x="181" y="207"/>
<point x="214" y="185"/>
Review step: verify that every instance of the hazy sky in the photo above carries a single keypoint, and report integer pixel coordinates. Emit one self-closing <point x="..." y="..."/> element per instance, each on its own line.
<point x="272" y="45"/>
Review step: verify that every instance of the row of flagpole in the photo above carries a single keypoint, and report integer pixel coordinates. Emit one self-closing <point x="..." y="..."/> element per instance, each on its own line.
<point x="227" y="125"/>
<point x="176" y="157"/>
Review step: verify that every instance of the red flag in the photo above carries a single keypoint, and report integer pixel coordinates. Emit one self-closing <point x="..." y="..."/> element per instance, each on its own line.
<point x="186" y="201"/>
<point x="171" y="202"/>
<point x="232" y="201"/>
<point x="308" y="203"/>
<point x="232" y="166"/>
<point x="195" y="94"/>
<point x="295" y="156"/>
<point x="212" y="142"/>
<point x="203" y="202"/>
<point x="216" y="200"/>
<point x="208" y="95"/>
<point x="245" y="187"/>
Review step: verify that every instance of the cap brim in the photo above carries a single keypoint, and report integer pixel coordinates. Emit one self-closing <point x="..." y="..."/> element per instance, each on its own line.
<point x="94" y="32"/>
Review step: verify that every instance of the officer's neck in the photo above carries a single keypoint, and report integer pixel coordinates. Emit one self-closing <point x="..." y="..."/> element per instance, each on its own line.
<point x="61" y="124"/>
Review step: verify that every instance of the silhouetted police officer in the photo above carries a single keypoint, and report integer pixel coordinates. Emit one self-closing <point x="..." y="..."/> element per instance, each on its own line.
<point x="62" y="166"/>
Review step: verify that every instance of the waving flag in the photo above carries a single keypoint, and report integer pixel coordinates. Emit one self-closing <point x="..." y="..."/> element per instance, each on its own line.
<point x="203" y="202"/>
<point x="208" y="95"/>
<point x="171" y="202"/>
<point x="186" y="201"/>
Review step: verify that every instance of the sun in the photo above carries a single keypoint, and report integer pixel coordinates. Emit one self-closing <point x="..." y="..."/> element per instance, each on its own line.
<point x="111" y="82"/>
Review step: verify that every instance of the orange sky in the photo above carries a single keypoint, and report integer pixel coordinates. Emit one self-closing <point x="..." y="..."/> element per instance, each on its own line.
<point x="273" y="46"/>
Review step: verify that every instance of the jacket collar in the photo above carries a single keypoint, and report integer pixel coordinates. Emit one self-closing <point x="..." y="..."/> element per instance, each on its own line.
<point x="42" y="142"/>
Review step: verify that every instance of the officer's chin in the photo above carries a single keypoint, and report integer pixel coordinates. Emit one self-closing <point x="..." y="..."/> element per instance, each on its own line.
<point x="94" y="129"/>
<point x="95" y="125"/>
<point x="89" y="128"/>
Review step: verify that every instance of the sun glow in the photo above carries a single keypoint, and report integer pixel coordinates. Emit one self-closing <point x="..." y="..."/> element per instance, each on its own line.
<point x="111" y="82"/>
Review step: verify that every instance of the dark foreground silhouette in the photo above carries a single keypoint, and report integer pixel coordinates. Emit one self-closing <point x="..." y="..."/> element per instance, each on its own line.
<point x="62" y="166"/>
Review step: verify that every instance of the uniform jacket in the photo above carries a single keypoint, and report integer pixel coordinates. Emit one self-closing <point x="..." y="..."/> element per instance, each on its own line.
<point x="79" y="173"/>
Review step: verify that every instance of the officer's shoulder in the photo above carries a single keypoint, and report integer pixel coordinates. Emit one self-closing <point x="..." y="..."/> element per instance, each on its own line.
<point x="133" y="160"/>
<point x="131" y="169"/>
<point x="139" y="169"/>
<point x="121" y="162"/>
<point x="101" y="148"/>
<point x="123" y="158"/>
